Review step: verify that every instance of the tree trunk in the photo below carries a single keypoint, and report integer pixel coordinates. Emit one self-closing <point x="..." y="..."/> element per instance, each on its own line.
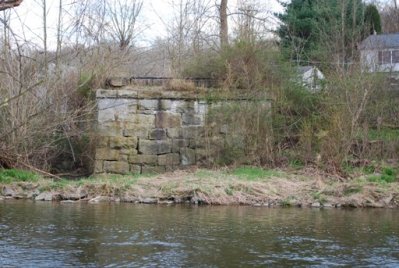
<point x="224" y="29"/>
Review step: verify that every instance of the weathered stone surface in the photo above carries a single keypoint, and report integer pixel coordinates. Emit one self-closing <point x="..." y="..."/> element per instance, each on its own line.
<point x="157" y="134"/>
<point x="128" y="152"/>
<point x="151" y="105"/>
<point x="192" y="119"/>
<point x="117" y="167"/>
<point x="74" y="196"/>
<point x="102" y="142"/>
<point x="135" y="131"/>
<point x="167" y="120"/>
<point x="127" y="93"/>
<point x="107" y="154"/>
<point x="174" y="132"/>
<point x="155" y="147"/>
<point x="110" y="129"/>
<point x="179" y="143"/>
<point x="116" y="109"/>
<point x="106" y="93"/>
<point x="122" y="142"/>
<point x="100" y="199"/>
<point x="143" y="159"/>
<point x="201" y="107"/>
<point x="135" y="169"/>
<point x="180" y="106"/>
<point x="193" y="132"/>
<point x="98" y="166"/>
<point x="48" y="196"/>
<point x="153" y="169"/>
<point x="8" y="191"/>
<point x="169" y="160"/>
<point x="187" y="156"/>
<point x="141" y="119"/>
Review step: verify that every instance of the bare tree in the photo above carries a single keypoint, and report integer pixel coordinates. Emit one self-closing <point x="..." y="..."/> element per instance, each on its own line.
<point x="390" y="18"/>
<point x="123" y="20"/>
<point x="6" y="4"/>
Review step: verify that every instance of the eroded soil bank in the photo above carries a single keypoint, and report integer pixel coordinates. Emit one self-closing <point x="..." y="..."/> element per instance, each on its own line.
<point x="306" y="188"/>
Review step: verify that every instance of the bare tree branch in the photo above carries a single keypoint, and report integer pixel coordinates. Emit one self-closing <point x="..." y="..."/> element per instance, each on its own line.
<point x="6" y="4"/>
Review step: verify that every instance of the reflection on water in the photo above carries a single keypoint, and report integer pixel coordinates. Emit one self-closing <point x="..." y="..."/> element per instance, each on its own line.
<point x="120" y="235"/>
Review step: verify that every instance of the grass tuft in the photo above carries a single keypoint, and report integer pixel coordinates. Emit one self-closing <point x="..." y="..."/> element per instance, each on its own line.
<point x="16" y="175"/>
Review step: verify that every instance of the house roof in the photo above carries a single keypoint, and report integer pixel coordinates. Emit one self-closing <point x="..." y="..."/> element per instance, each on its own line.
<point x="380" y="41"/>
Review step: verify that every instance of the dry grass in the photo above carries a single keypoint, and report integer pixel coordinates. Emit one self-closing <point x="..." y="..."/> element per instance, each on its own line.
<point x="180" y="85"/>
<point x="302" y="188"/>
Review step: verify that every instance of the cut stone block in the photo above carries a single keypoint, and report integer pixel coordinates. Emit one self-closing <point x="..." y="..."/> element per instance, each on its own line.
<point x="143" y="159"/>
<point x="155" y="147"/>
<point x="116" y="109"/>
<point x="122" y="142"/>
<point x="110" y="129"/>
<point x="102" y="142"/>
<point x="98" y="166"/>
<point x="117" y="167"/>
<point x="152" y="105"/>
<point x="174" y="132"/>
<point x="167" y="120"/>
<point x="179" y="143"/>
<point x="193" y="132"/>
<point x="107" y="154"/>
<point x="192" y="119"/>
<point x="157" y="134"/>
<point x="135" y="131"/>
<point x="169" y="160"/>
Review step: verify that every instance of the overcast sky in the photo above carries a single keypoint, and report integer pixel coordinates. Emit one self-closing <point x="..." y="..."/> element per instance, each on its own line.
<point x="26" y="19"/>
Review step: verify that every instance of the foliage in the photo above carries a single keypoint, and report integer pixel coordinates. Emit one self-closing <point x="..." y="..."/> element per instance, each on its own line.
<point x="318" y="30"/>
<point x="372" y="20"/>
<point x="12" y="175"/>
<point x="388" y="175"/>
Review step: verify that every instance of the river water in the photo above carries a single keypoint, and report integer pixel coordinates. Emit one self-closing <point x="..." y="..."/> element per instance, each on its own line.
<point x="126" y="235"/>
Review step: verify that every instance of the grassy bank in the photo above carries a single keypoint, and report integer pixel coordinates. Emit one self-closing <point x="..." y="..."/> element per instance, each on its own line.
<point x="239" y="186"/>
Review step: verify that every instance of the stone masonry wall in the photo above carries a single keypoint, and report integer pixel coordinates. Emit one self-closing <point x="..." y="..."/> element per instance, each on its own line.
<point x="142" y="130"/>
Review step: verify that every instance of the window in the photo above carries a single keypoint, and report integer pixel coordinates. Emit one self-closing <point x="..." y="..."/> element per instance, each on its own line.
<point x="395" y="56"/>
<point x="384" y="57"/>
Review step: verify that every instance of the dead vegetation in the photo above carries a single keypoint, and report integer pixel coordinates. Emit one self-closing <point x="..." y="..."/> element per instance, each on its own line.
<point x="304" y="188"/>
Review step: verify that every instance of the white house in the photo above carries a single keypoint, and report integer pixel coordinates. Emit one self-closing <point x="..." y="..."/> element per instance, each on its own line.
<point x="380" y="53"/>
<point x="310" y="77"/>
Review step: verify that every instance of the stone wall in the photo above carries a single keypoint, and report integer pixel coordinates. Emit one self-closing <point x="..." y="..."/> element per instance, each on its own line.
<point x="142" y="130"/>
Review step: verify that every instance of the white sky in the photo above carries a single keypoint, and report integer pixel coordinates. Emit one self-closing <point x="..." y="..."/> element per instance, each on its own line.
<point x="26" y="20"/>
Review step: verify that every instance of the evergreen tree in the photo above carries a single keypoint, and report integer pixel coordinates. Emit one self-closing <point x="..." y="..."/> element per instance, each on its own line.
<point x="321" y="30"/>
<point x="372" y="20"/>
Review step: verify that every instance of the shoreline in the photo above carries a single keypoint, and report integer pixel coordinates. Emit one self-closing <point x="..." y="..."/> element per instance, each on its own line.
<point x="305" y="188"/>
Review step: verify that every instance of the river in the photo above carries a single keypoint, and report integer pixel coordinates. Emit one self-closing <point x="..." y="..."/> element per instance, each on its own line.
<point x="126" y="235"/>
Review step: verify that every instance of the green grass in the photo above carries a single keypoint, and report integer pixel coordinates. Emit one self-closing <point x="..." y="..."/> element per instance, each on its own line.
<point x="255" y="173"/>
<point x="385" y="134"/>
<point x="388" y="176"/>
<point x="16" y="175"/>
